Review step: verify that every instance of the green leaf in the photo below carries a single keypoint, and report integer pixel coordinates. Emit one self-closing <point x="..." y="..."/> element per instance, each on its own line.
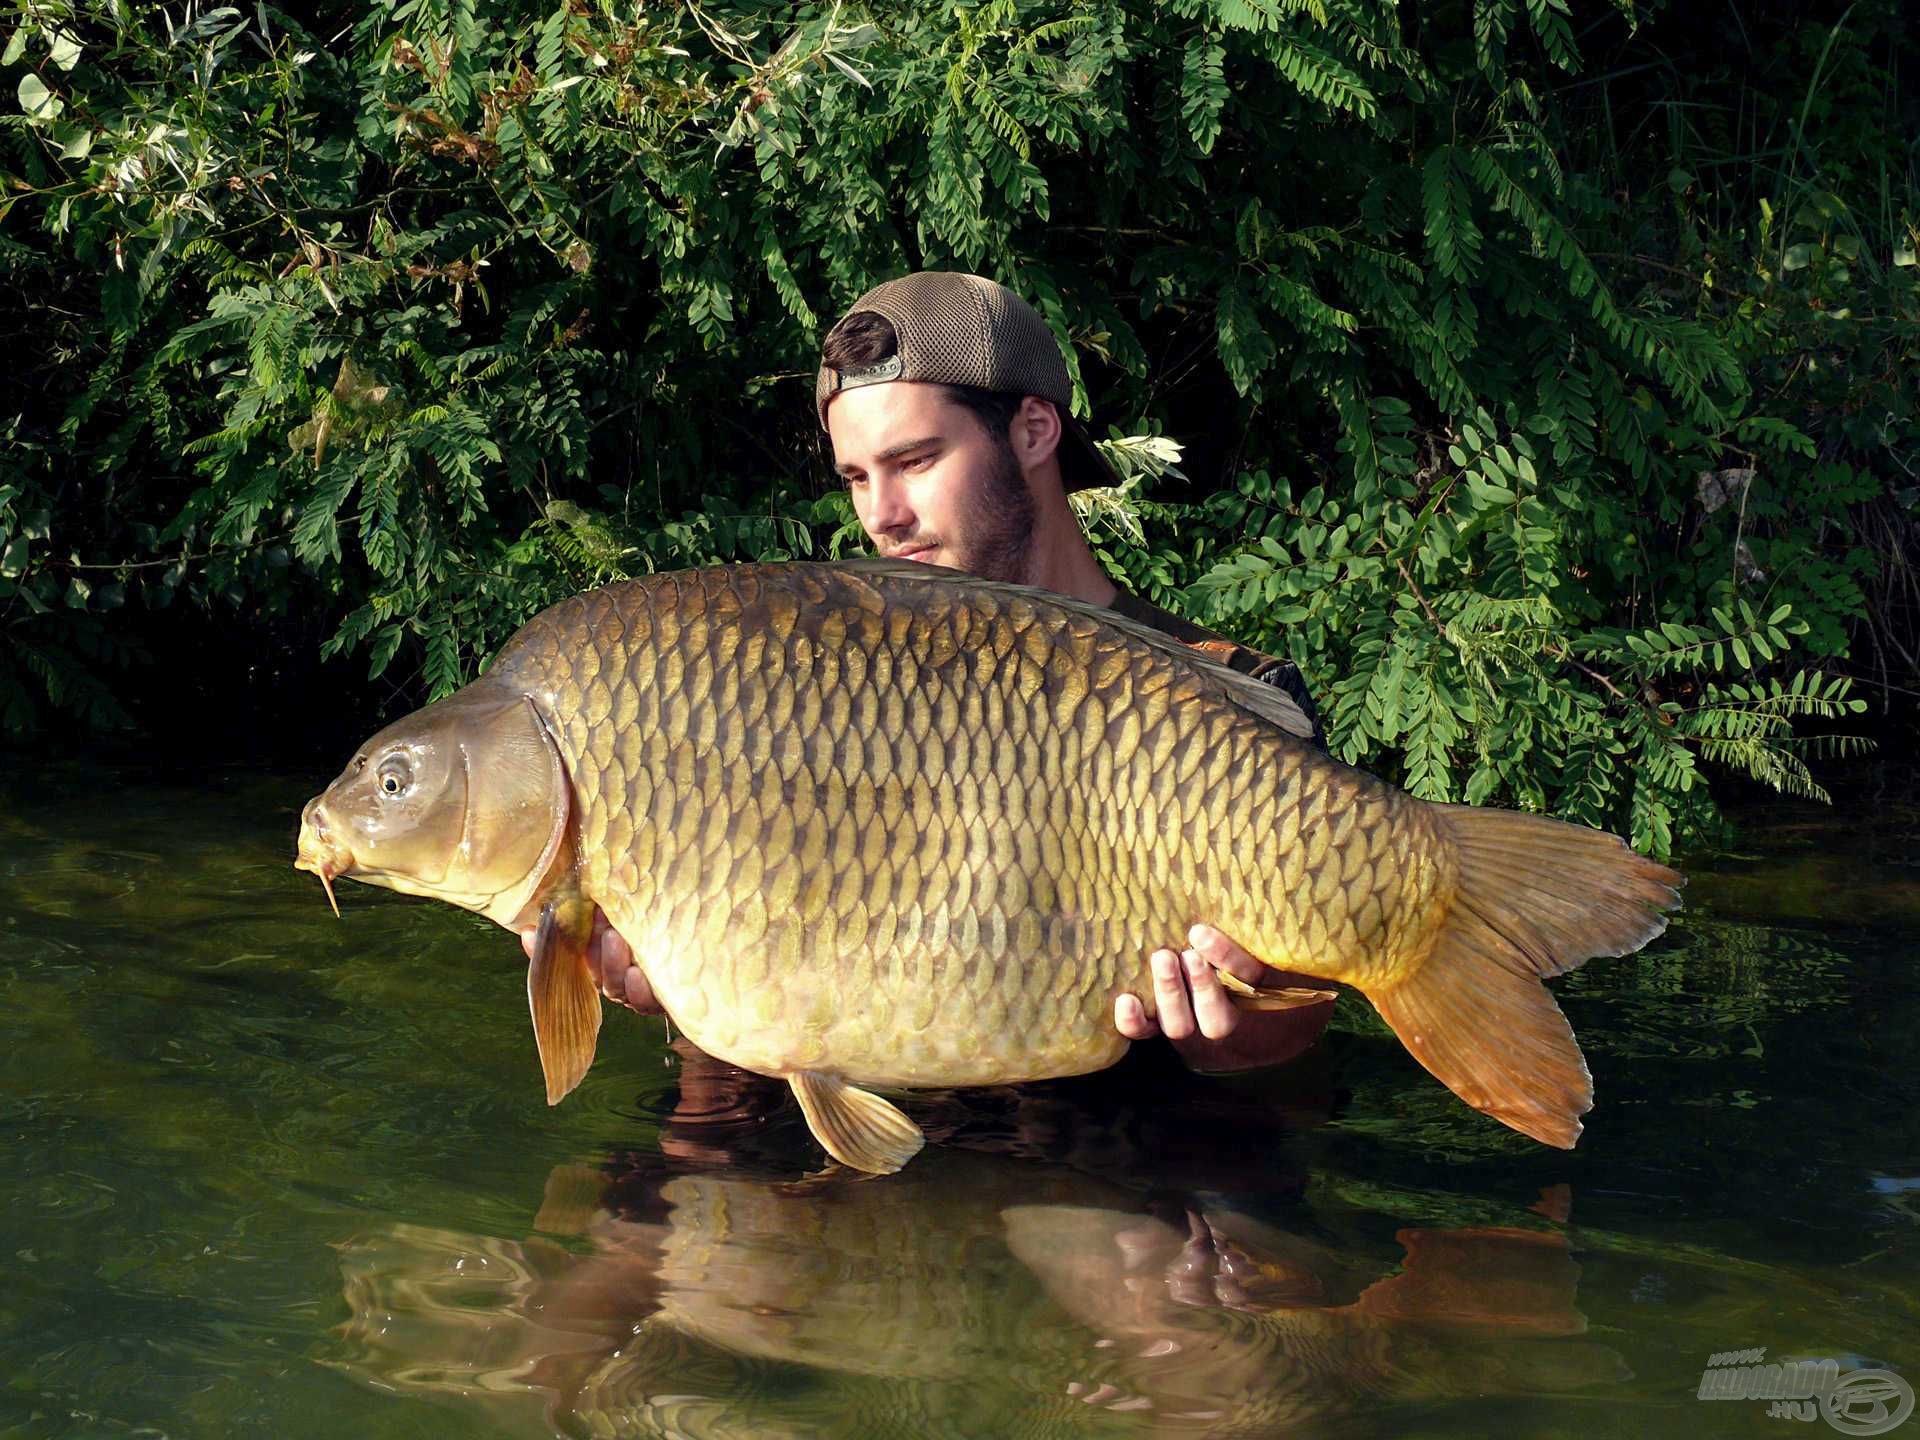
<point x="381" y="652"/>
<point x="40" y="103"/>
<point x="65" y="49"/>
<point x="1244" y="346"/>
<point x="1203" y="90"/>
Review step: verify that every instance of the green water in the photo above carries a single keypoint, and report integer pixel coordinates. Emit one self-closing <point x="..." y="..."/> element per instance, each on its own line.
<point x="266" y="1173"/>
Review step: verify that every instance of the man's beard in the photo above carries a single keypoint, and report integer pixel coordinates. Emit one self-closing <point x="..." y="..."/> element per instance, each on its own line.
<point x="998" y="522"/>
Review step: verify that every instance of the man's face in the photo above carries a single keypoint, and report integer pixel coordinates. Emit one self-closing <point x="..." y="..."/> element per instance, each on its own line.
<point x="929" y="482"/>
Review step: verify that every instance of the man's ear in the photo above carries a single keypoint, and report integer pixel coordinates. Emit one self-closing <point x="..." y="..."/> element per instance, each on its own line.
<point x="1035" y="432"/>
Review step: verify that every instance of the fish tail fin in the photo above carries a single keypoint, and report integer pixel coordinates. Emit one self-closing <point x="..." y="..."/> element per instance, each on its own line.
<point x="1535" y="897"/>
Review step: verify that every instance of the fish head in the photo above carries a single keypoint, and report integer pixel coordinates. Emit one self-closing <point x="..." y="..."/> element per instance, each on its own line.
<point x="465" y="801"/>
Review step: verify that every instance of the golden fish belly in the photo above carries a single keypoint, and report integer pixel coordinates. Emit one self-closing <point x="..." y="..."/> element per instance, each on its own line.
<point x="917" y="836"/>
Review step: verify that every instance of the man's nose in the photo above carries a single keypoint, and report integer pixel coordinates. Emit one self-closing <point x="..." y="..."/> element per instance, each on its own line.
<point x="889" y="511"/>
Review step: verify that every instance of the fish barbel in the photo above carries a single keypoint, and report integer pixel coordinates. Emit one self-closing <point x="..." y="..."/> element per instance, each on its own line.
<point x="879" y="824"/>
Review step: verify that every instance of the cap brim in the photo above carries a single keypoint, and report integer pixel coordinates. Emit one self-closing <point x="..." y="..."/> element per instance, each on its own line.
<point x="1082" y="466"/>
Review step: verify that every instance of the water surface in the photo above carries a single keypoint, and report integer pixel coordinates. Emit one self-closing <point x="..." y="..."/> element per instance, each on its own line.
<point x="269" y="1173"/>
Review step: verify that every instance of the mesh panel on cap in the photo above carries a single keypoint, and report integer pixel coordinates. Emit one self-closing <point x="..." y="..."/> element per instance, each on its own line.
<point x="1026" y="356"/>
<point x="958" y="329"/>
<point x="943" y="329"/>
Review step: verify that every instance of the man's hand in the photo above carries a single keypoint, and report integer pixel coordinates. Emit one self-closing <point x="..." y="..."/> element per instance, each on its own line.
<point x="620" y="980"/>
<point x="1198" y="1016"/>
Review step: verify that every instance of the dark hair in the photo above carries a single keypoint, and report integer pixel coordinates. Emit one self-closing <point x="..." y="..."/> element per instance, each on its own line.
<point x="866" y="336"/>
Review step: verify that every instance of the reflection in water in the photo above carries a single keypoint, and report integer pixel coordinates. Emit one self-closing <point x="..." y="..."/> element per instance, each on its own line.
<point x="972" y="1294"/>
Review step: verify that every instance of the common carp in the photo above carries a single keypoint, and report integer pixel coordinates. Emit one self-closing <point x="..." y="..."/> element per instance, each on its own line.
<point x="880" y="824"/>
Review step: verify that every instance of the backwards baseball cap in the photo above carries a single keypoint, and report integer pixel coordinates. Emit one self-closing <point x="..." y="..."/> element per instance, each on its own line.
<point x="959" y="329"/>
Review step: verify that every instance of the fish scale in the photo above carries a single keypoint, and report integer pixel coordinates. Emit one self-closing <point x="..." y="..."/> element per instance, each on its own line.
<point x="882" y="824"/>
<point x="1005" y="768"/>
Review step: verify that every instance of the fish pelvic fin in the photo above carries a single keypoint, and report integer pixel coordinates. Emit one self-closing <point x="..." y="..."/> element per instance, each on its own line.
<point x="562" y="996"/>
<point x="1535" y="897"/>
<point x="855" y="1126"/>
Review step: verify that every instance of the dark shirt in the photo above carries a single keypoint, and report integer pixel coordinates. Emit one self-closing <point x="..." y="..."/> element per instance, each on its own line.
<point x="1281" y="674"/>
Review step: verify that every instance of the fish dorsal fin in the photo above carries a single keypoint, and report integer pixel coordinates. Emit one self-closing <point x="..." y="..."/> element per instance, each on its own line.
<point x="1269" y="702"/>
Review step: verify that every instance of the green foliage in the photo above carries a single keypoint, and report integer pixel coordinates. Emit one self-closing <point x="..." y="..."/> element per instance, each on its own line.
<point x="421" y="314"/>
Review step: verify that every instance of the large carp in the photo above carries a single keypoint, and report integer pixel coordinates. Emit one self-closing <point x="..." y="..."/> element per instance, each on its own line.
<point x="883" y="824"/>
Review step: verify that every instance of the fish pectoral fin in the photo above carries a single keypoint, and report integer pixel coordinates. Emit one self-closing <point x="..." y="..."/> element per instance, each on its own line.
<point x="1248" y="997"/>
<point x="855" y="1126"/>
<point x="562" y="996"/>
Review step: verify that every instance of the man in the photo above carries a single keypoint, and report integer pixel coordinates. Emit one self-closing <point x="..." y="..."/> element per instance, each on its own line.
<point x="946" y="399"/>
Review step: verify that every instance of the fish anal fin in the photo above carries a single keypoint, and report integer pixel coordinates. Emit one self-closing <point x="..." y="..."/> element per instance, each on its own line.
<point x="855" y="1126"/>
<point x="562" y="996"/>
<point x="1287" y="997"/>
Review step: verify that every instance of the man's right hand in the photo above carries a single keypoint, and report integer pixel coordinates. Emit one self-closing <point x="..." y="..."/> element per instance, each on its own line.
<point x="620" y="980"/>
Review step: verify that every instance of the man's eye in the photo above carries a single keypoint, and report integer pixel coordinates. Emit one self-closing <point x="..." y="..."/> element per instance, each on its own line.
<point x="919" y="462"/>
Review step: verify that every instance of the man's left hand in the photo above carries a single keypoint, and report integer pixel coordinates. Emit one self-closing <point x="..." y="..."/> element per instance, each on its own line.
<point x="1199" y="1017"/>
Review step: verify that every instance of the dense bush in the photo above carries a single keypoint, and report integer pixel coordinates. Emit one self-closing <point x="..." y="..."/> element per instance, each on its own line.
<point x="1556" y="423"/>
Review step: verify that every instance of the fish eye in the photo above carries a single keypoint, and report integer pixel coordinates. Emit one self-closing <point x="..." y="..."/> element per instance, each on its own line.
<point x="395" y="777"/>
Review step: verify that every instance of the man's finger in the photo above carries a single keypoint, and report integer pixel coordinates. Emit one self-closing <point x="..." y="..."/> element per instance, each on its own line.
<point x="1212" y="1011"/>
<point x="611" y="960"/>
<point x="610" y="969"/>
<point x="1130" y="1018"/>
<point x="1217" y="950"/>
<point x="637" y="993"/>
<point x="1170" y="995"/>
